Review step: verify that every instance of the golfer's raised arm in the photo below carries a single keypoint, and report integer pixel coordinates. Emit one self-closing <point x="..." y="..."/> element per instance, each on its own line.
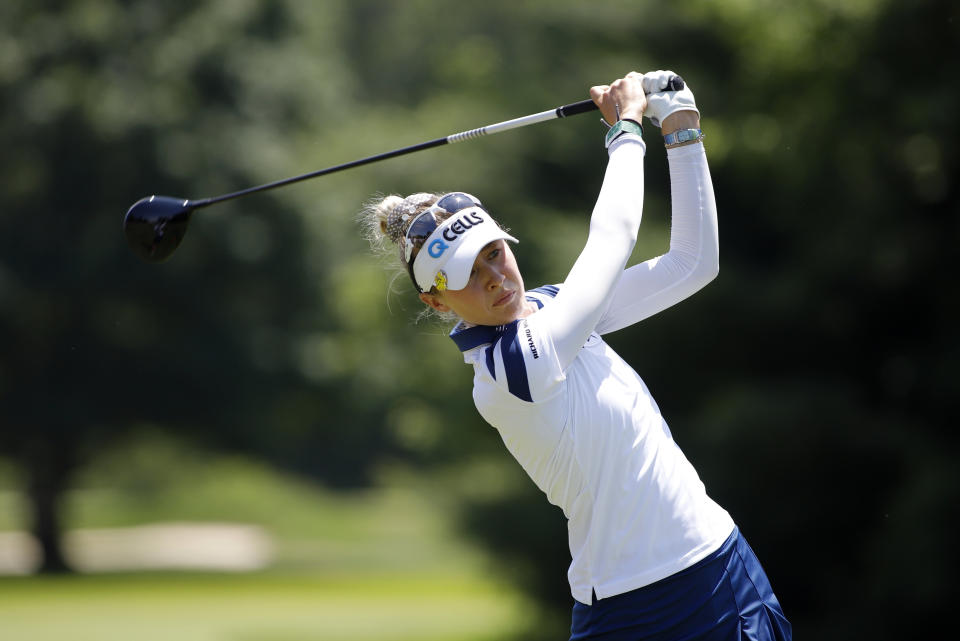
<point x="614" y="223"/>
<point x="694" y="256"/>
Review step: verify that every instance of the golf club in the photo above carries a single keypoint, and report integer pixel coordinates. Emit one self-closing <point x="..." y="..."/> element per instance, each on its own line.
<point x="154" y="226"/>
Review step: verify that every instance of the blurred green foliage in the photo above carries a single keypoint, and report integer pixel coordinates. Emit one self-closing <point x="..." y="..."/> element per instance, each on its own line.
<point x="812" y="384"/>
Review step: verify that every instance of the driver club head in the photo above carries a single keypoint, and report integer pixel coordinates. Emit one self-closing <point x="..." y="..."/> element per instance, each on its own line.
<point x="155" y="225"/>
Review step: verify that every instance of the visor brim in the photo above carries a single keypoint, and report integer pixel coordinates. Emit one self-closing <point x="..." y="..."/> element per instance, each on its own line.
<point x="455" y="262"/>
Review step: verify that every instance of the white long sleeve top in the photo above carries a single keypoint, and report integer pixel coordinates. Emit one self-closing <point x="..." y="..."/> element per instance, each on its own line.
<point x="577" y="417"/>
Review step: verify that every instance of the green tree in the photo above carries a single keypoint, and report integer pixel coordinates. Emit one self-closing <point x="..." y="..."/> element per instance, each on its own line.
<point x="105" y="103"/>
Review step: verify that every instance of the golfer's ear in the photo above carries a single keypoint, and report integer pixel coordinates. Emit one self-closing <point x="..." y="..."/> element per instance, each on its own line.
<point x="430" y="300"/>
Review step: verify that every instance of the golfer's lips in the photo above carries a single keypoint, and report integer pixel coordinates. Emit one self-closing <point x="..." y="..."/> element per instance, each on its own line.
<point x="506" y="298"/>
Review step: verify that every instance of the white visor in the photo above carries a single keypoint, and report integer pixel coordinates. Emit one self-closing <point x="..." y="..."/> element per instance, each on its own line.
<point x="446" y="257"/>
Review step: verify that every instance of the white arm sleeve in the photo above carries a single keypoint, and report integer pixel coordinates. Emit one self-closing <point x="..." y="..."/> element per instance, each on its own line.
<point x="588" y="289"/>
<point x="694" y="255"/>
<point x="531" y="357"/>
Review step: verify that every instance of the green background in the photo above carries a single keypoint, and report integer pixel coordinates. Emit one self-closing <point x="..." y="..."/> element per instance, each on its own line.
<point x="272" y="372"/>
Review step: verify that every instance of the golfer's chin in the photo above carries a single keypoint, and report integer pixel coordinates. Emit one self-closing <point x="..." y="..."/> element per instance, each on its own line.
<point x="507" y="307"/>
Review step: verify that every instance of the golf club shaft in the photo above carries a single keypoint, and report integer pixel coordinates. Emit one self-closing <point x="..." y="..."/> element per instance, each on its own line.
<point x="560" y="112"/>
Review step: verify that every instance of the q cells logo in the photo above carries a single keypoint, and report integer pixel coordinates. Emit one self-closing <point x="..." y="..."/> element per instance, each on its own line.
<point x="453" y="232"/>
<point x="461" y="225"/>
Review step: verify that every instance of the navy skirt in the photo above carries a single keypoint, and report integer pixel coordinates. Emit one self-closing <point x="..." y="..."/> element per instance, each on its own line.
<point x="724" y="597"/>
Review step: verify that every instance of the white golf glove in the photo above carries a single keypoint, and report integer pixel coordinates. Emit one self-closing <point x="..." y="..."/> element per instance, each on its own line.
<point x="660" y="103"/>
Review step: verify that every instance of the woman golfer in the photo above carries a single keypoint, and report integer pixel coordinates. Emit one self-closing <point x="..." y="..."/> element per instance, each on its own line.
<point x="653" y="557"/>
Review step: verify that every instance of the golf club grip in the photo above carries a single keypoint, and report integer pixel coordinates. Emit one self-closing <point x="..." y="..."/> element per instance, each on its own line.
<point x="675" y="84"/>
<point x="575" y="108"/>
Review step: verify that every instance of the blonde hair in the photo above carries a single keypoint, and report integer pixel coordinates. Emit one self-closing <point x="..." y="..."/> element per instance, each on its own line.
<point x="384" y="221"/>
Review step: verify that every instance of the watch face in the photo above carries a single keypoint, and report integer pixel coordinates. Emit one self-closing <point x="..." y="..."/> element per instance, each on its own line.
<point x="682" y="136"/>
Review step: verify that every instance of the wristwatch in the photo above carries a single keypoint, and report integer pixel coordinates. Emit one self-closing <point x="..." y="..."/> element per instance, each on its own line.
<point x="682" y="136"/>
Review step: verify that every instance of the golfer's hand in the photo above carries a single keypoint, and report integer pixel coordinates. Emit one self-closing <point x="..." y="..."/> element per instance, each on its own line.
<point x="627" y="92"/>
<point x="670" y="110"/>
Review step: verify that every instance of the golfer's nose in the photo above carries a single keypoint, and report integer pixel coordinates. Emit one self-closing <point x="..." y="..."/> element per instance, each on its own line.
<point x="492" y="276"/>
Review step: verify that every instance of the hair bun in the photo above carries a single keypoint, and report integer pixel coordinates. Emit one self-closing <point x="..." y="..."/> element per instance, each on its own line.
<point x="387" y="211"/>
<point x="399" y="212"/>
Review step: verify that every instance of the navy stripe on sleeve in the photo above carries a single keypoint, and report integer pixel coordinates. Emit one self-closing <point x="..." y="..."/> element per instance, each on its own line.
<point x="513" y="363"/>
<point x="549" y="290"/>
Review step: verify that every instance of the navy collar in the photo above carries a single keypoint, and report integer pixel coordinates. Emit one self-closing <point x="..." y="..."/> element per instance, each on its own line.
<point x="471" y="337"/>
<point x="477" y="335"/>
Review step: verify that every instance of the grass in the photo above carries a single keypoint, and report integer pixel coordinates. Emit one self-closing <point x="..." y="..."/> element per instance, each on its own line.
<point x="261" y="607"/>
<point x="380" y="563"/>
<point x="402" y="523"/>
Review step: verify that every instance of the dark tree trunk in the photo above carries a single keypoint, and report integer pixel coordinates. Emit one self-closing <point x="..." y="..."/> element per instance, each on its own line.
<point x="49" y="471"/>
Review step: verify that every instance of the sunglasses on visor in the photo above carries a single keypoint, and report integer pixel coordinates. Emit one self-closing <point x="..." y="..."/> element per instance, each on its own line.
<point x="425" y="224"/>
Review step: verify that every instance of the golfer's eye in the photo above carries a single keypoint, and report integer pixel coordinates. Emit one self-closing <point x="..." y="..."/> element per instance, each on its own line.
<point x="493" y="255"/>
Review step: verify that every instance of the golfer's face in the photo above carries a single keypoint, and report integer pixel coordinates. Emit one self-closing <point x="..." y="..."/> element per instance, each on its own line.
<point x="494" y="295"/>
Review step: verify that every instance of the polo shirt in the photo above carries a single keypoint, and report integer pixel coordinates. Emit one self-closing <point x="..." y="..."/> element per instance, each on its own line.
<point x="594" y="441"/>
<point x="579" y="420"/>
